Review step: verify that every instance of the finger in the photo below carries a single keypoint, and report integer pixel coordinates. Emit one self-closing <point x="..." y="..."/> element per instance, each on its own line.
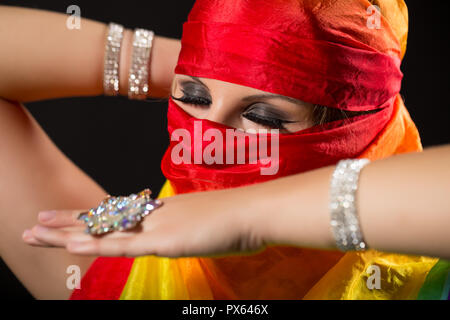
<point x="28" y="238"/>
<point x="58" y="237"/>
<point x="60" y="218"/>
<point x="61" y="236"/>
<point x="105" y="247"/>
<point x="139" y="245"/>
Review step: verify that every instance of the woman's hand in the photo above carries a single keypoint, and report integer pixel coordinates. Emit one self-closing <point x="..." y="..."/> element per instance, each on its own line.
<point x="198" y="224"/>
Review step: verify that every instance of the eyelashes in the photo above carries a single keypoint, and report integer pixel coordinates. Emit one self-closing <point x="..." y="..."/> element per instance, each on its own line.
<point x="266" y="121"/>
<point x="193" y="100"/>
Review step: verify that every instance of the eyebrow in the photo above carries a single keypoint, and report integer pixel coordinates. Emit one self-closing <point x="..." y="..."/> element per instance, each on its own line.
<point x="273" y="96"/>
<point x="259" y="96"/>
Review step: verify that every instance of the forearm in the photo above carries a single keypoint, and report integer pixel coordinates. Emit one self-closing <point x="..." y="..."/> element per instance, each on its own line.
<point x="403" y="205"/>
<point x="42" y="59"/>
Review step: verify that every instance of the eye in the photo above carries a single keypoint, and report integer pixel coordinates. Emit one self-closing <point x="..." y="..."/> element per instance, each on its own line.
<point x="193" y="100"/>
<point x="258" y="115"/>
<point x="266" y="122"/>
<point x="194" y="94"/>
<point x="265" y="117"/>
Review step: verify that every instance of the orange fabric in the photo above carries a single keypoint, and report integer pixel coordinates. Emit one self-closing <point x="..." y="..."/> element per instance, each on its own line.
<point x="395" y="13"/>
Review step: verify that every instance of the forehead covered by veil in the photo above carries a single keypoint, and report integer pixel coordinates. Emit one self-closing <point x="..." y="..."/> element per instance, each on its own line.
<point x="342" y="54"/>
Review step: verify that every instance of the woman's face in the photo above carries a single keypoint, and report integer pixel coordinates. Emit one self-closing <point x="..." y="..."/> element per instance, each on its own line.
<point x="240" y="106"/>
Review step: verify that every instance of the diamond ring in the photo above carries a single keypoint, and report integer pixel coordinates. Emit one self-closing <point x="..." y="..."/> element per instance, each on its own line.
<point x="119" y="213"/>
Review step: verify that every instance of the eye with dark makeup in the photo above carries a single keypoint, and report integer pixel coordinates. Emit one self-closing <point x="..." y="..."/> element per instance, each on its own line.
<point x="194" y="94"/>
<point x="266" y="115"/>
<point x="260" y="113"/>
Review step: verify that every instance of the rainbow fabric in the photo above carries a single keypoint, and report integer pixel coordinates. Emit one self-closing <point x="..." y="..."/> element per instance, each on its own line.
<point x="157" y="278"/>
<point x="402" y="277"/>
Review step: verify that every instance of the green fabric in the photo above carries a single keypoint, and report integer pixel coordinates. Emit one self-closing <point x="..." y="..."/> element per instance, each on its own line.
<point x="437" y="282"/>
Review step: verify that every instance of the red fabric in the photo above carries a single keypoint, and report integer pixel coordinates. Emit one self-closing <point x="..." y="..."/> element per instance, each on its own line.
<point x="297" y="152"/>
<point x="302" y="49"/>
<point x="104" y="280"/>
<point x="285" y="47"/>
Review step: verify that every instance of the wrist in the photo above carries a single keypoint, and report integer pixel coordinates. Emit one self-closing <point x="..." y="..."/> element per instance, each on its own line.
<point x="125" y="60"/>
<point x="259" y="213"/>
<point x="296" y="212"/>
<point x="246" y="207"/>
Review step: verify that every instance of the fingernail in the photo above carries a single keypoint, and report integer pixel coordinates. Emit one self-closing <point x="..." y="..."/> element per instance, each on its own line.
<point x="46" y="215"/>
<point x="27" y="234"/>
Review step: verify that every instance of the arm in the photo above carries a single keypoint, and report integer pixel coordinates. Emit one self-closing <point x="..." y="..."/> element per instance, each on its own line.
<point x="43" y="59"/>
<point x="404" y="207"/>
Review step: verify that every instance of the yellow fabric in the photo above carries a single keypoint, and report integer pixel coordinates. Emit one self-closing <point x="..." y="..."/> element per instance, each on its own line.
<point x="159" y="278"/>
<point x="401" y="277"/>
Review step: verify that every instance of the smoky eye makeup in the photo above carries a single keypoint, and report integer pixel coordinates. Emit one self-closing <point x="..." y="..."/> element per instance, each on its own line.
<point x="267" y="116"/>
<point x="264" y="114"/>
<point x="268" y="111"/>
<point x="193" y="93"/>
<point x="194" y="88"/>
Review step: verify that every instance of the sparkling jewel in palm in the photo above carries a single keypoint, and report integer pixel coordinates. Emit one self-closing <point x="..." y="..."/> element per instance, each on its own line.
<point x="119" y="213"/>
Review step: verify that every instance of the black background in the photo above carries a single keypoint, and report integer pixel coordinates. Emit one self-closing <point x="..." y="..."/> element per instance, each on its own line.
<point x="119" y="143"/>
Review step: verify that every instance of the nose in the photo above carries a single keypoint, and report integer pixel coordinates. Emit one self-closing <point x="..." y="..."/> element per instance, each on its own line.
<point x="221" y="111"/>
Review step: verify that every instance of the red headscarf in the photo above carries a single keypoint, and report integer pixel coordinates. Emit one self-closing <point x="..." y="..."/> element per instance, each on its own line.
<point x="322" y="52"/>
<point x="293" y="48"/>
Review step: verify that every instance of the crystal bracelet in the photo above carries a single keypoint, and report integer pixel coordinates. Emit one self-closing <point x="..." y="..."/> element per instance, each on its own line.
<point x="112" y="59"/>
<point x="344" y="217"/>
<point x="138" y="78"/>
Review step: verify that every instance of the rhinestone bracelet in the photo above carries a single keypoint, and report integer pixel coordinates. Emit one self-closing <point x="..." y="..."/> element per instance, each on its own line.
<point x="344" y="217"/>
<point x="139" y="70"/>
<point x="112" y="59"/>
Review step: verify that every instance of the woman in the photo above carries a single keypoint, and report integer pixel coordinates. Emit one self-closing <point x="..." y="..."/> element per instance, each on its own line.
<point x="383" y="129"/>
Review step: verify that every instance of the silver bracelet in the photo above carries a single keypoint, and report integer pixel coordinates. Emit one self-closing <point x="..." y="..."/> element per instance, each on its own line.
<point x="138" y="79"/>
<point x="344" y="217"/>
<point x="112" y="59"/>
